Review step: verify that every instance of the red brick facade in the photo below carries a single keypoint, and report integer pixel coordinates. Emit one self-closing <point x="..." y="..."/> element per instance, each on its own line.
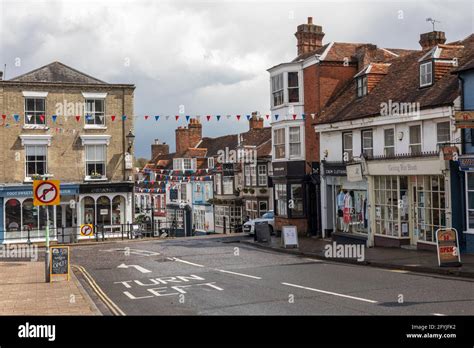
<point x="187" y="137"/>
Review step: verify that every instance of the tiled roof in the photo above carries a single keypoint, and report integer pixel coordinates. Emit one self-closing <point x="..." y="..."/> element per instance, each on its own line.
<point x="57" y="72"/>
<point x="213" y="145"/>
<point x="401" y="84"/>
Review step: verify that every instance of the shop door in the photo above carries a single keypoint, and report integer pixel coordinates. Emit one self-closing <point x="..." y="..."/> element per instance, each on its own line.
<point x="65" y="223"/>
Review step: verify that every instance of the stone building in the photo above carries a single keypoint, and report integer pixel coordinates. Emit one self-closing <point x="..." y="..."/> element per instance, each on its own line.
<point x="65" y="125"/>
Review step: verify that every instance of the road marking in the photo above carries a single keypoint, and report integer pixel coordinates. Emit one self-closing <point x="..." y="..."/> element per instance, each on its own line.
<point x="331" y="293"/>
<point x="140" y="252"/>
<point x="398" y="271"/>
<point x="314" y="260"/>
<point x="183" y="261"/>
<point x="239" y="274"/>
<point x="439" y="314"/>
<point x="137" y="267"/>
<point x="105" y="299"/>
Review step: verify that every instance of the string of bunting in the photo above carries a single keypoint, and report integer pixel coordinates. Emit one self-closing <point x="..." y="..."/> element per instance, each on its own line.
<point x="54" y="118"/>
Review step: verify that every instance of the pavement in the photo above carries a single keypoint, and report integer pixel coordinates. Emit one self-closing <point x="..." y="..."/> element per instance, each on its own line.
<point x="228" y="275"/>
<point x="391" y="258"/>
<point x="24" y="292"/>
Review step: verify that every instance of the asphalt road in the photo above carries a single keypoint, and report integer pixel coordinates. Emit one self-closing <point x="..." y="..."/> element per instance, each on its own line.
<point x="220" y="276"/>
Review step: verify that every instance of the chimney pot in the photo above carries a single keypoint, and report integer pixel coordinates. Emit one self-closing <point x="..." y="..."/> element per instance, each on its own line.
<point x="310" y="20"/>
<point x="431" y="39"/>
<point x="309" y="37"/>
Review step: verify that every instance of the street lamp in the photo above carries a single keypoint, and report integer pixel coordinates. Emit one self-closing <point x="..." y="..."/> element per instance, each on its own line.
<point x="130" y="139"/>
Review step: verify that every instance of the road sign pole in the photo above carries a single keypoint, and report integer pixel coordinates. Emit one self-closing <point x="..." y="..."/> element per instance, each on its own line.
<point x="47" y="260"/>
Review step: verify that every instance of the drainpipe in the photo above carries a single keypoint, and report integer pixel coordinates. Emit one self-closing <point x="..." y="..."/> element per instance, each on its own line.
<point x="123" y="135"/>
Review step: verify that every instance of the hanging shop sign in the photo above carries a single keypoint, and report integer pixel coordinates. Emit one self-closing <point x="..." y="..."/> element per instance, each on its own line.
<point x="464" y="119"/>
<point x="46" y="192"/>
<point x="450" y="153"/>
<point x="354" y="172"/>
<point x="334" y="169"/>
<point x="466" y="163"/>
<point x="448" y="247"/>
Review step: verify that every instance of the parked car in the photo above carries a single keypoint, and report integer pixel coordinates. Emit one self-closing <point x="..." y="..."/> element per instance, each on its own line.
<point x="269" y="217"/>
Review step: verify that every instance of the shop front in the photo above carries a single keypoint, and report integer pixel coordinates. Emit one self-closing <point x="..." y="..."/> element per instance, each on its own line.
<point x="21" y="221"/>
<point x="105" y="204"/>
<point x="411" y="201"/>
<point x="345" y="203"/>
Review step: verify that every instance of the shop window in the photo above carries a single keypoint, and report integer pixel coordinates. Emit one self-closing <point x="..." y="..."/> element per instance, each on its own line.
<point x="470" y="199"/>
<point x="293" y="95"/>
<point x="279" y="143"/>
<point x="443" y="132"/>
<point x="389" y="142"/>
<point x="36" y="163"/>
<point x="89" y="210"/>
<point x="103" y="210"/>
<point x="277" y="90"/>
<point x="347" y="153"/>
<point x="387" y="206"/>
<point x="95" y="161"/>
<point x="35" y="111"/>
<point x="296" y="202"/>
<point x="368" y="143"/>
<point x="295" y="142"/>
<point x="281" y="199"/>
<point x="30" y="215"/>
<point x="175" y="218"/>
<point x="415" y="139"/>
<point x="199" y="220"/>
<point x="12" y="215"/>
<point x="95" y="112"/>
<point x="44" y="211"/>
<point x="118" y="210"/>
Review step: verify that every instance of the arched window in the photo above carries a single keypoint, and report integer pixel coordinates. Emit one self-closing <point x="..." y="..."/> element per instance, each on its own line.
<point x="118" y="210"/>
<point x="12" y="215"/>
<point x="89" y="210"/>
<point x="30" y="215"/>
<point x="103" y="210"/>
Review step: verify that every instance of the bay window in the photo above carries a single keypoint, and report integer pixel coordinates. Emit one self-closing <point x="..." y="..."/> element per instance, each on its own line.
<point x="279" y="143"/>
<point x="293" y="90"/>
<point x="295" y="142"/>
<point x="443" y="132"/>
<point x="277" y="90"/>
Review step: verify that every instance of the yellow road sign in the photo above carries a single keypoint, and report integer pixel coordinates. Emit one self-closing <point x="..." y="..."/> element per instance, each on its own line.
<point x="46" y="192"/>
<point x="87" y="230"/>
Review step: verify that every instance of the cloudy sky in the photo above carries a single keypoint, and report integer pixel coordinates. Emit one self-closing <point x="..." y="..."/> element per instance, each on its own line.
<point x="210" y="56"/>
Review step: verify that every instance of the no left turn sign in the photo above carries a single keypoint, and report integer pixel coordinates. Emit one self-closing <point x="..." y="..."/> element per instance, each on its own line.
<point x="87" y="230"/>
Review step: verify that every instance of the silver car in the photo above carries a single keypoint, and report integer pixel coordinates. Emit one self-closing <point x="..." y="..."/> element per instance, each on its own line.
<point x="269" y="217"/>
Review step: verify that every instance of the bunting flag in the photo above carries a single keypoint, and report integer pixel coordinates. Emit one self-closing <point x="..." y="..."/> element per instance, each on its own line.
<point x="276" y="117"/>
<point x="312" y="116"/>
<point x="177" y="117"/>
<point x="42" y="118"/>
<point x="208" y="117"/>
<point x="146" y="117"/>
<point x="124" y="117"/>
<point x="4" y="116"/>
<point x="78" y="118"/>
<point x="54" y="117"/>
<point x="238" y="117"/>
<point x="198" y="117"/>
<point x="303" y="116"/>
<point x="248" y="117"/>
<point x="228" y="116"/>
<point x="187" y="118"/>
<point x="218" y="117"/>
<point x="16" y="117"/>
<point x="167" y="117"/>
<point x="267" y="116"/>
<point x="157" y="117"/>
<point x="294" y="116"/>
<point x="112" y="118"/>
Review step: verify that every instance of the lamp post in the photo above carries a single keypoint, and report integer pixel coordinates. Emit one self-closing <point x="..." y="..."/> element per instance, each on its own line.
<point x="130" y="140"/>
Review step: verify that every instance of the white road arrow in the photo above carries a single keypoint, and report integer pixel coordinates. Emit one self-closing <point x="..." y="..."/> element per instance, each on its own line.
<point x="138" y="268"/>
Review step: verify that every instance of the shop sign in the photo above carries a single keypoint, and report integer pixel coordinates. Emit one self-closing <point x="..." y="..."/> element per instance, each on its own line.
<point x="448" y="247"/>
<point x="289" y="236"/>
<point x="466" y="163"/>
<point x="464" y="119"/>
<point x="59" y="263"/>
<point x="105" y="188"/>
<point x="450" y="153"/>
<point x="128" y="161"/>
<point x="354" y="172"/>
<point x="338" y="169"/>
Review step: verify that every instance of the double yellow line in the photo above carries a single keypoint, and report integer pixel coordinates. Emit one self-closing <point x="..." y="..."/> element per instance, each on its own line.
<point x="107" y="301"/>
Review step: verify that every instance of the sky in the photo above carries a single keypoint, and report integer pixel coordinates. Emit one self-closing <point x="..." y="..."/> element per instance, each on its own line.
<point x="208" y="57"/>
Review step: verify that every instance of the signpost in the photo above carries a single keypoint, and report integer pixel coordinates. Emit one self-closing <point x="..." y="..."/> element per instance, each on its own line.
<point x="46" y="193"/>
<point x="59" y="263"/>
<point x="448" y="247"/>
<point x="289" y="236"/>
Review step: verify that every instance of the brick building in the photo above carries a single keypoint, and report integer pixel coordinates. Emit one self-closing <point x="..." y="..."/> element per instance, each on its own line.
<point x="80" y="146"/>
<point x="304" y="86"/>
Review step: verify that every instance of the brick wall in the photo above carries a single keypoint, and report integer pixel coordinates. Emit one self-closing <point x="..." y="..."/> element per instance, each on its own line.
<point x="301" y="224"/>
<point x="66" y="156"/>
<point x="187" y="137"/>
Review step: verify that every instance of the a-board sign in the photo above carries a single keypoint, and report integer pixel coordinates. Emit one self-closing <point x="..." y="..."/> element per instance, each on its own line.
<point x="289" y="236"/>
<point x="59" y="261"/>
<point x="447" y="245"/>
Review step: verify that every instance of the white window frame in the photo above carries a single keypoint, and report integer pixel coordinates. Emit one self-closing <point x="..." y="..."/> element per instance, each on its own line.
<point x="297" y="87"/>
<point x="468" y="229"/>
<point x="276" y="89"/>
<point x="262" y="173"/>
<point x="104" y="175"/>
<point x="385" y="147"/>
<point x="425" y="73"/>
<point x="362" y="141"/>
<point x="437" y="132"/>
<point x="28" y="177"/>
<point x="93" y="114"/>
<point x="226" y="182"/>
<point x="291" y="156"/>
<point x="210" y="163"/>
<point x="247" y="175"/>
<point x="279" y="144"/>
<point x="344" y="149"/>
<point x="415" y="144"/>
<point x="180" y="164"/>
<point x="362" y="86"/>
<point x="34" y="124"/>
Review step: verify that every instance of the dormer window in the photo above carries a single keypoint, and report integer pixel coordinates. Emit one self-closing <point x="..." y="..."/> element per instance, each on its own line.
<point x="426" y="74"/>
<point x="361" y="86"/>
<point x="184" y="164"/>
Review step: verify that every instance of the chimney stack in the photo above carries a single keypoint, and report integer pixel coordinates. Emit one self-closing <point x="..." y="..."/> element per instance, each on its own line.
<point x="431" y="39"/>
<point x="309" y="37"/>
<point x="255" y="122"/>
<point x="188" y="137"/>
<point x="1" y="75"/>
<point x="159" y="149"/>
